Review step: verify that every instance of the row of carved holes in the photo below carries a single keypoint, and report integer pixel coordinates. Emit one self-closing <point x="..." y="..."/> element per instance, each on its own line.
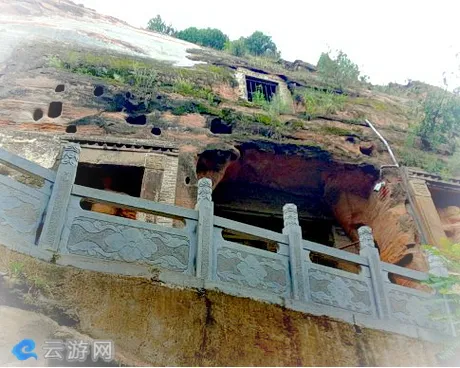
<point x="54" y="111"/>
<point x="55" y="108"/>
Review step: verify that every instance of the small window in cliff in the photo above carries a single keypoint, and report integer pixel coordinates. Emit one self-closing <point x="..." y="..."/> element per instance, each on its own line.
<point x="55" y="109"/>
<point x="254" y="85"/>
<point x="59" y="88"/>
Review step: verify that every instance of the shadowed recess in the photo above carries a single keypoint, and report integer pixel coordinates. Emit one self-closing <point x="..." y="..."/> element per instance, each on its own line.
<point x="55" y="109"/>
<point x="71" y="129"/>
<point x="98" y="91"/>
<point x="38" y="114"/>
<point x="137" y="120"/>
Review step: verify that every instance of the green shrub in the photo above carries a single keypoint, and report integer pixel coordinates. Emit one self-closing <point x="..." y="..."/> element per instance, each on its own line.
<point x="441" y="114"/>
<point x="323" y="103"/>
<point x="409" y="156"/>
<point x="237" y="47"/>
<point x="332" y="130"/>
<point x="158" y="25"/>
<point x="209" y="37"/>
<point x="260" y="44"/>
<point x="258" y="97"/>
<point x="187" y="88"/>
<point x="338" y="71"/>
<point x="277" y="106"/>
<point x="17" y="269"/>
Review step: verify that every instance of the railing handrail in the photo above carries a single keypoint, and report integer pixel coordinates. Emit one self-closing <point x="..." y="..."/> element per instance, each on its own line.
<point x="405" y="272"/>
<point x="250" y="230"/>
<point x="134" y="203"/>
<point x="333" y="252"/>
<point x="25" y="166"/>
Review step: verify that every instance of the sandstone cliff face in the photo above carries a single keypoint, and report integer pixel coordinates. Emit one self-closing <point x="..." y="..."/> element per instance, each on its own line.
<point x="70" y="74"/>
<point x="79" y="75"/>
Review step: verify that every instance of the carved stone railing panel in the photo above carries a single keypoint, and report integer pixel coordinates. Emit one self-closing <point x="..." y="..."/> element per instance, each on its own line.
<point x="116" y="239"/>
<point x="252" y="268"/>
<point x="417" y="308"/>
<point x="21" y="210"/>
<point x="339" y="289"/>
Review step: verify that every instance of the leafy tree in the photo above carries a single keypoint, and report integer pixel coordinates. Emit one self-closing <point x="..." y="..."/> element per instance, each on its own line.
<point x="260" y="44"/>
<point x="441" y="112"/>
<point x="158" y="25"/>
<point x="209" y="37"/>
<point x="237" y="47"/>
<point x="340" y="71"/>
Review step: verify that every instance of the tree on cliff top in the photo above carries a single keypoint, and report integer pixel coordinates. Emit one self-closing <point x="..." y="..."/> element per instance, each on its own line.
<point x="210" y="37"/>
<point x="158" y="25"/>
<point x="260" y="44"/>
<point x="339" y="71"/>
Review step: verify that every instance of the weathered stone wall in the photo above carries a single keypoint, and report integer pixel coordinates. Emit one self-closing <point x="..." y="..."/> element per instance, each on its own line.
<point x="42" y="149"/>
<point x="153" y="324"/>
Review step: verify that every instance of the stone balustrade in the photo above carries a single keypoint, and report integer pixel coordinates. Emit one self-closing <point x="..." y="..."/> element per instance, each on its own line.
<point x="49" y="223"/>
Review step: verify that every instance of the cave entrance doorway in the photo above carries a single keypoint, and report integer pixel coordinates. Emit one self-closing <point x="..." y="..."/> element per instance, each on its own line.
<point x="115" y="178"/>
<point x="261" y="206"/>
<point x="255" y="187"/>
<point x="266" y="87"/>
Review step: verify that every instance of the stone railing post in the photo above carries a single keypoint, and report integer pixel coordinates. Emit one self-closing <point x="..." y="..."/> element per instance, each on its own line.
<point x="436" y="266"/>
<point x="369" y="251"/>
<point x="55" y="215"/>
<point x="205" y="208"/>
<point x="294" y="233"/>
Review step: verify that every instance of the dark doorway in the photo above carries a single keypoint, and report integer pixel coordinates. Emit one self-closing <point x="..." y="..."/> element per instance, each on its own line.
<point x="123" y="179"/>
<point x="261" y="206"/>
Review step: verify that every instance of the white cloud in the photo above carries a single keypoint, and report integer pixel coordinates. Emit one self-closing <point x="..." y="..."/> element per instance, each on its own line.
<point x="390" y="40"/>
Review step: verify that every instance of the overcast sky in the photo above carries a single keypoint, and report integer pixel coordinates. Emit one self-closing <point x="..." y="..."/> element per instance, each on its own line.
<point x="391" y="40"/>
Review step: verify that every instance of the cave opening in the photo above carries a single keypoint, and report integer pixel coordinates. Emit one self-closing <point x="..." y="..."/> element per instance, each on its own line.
<point x="137" y="120"/>
<point x="71" y="129"/>
<point x="60" y="88"/>
<point x="253" y="186"/>
<point x="55" y="109"/>
<point x="98" y="91"/>
<point x="218" y="126"/>
<point x="38" y="114"/>
<point x="261" y="206"/>
<point x="114" y="178"/>
<point x="156" y="131"/>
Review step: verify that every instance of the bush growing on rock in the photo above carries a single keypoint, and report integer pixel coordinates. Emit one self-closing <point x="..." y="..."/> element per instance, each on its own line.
<point x="441" y="112"/>
<point x="237" y="47"/>
<point x="338" y="71"/>
<point x="158" y="25"/>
